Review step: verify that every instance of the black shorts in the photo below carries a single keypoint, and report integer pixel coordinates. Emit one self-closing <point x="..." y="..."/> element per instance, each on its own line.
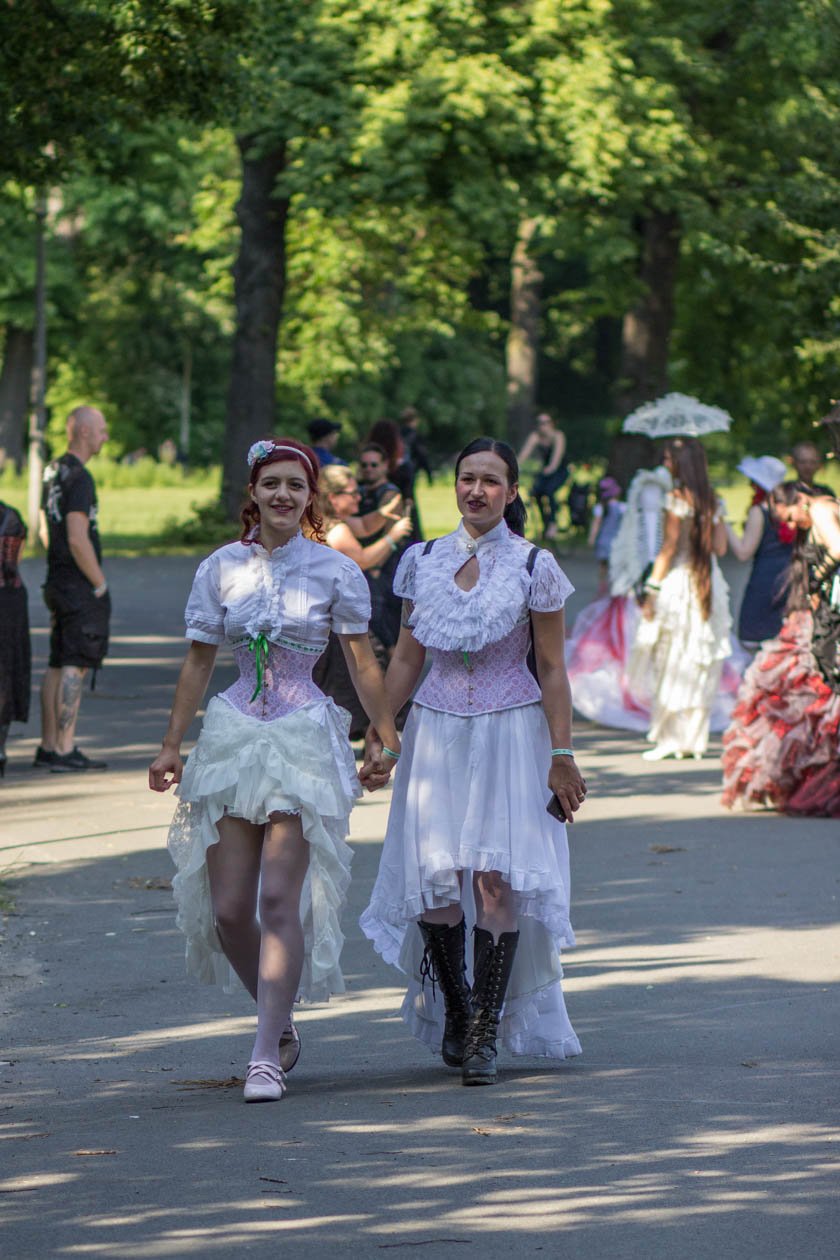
<point x="78" y="626"/>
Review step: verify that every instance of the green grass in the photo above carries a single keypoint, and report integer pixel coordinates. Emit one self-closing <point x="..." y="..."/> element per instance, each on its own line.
<point x="138" y="516"/>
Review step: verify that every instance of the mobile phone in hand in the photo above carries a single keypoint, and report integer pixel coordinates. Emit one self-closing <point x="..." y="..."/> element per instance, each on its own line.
<point x="556" y="809"/>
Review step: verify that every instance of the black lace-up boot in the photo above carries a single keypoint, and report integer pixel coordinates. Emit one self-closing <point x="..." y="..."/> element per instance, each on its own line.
<point x="444" y="964"/>
<point x="491" y="973"/>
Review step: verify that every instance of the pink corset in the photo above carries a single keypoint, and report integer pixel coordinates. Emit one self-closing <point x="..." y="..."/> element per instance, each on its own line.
<point x="495" y="677"/>
<point x="286" y="684"/>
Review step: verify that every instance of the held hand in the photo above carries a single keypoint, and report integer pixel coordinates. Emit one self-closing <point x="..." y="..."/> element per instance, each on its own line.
<point x="568" y="785"/>
<point x="375" y="774"/>
<point x="166" y="769"/>
<point x="648" y="609"/>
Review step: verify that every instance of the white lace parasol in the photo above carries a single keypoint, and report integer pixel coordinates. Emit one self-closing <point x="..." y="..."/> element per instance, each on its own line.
<point x="677" y="415"/>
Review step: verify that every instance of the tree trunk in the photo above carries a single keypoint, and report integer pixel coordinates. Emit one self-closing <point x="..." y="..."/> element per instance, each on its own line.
<point x="523" y="339"/>
<point x="15" y="380"/>
<point x="646" y="329"/>
<point x="259" y="286"/>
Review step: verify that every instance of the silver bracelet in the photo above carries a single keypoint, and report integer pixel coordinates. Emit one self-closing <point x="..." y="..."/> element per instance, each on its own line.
<point x="99" y="591"/>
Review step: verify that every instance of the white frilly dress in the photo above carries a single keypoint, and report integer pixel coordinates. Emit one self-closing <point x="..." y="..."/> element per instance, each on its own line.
<point x="678" y="656"/>
<point x="470" y="788"/>
<point x="273" y="741"/>
<point x="609" y="685"/>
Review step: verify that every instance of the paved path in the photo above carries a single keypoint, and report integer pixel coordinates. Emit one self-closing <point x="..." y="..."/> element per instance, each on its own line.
<point x="700" y="1121"/>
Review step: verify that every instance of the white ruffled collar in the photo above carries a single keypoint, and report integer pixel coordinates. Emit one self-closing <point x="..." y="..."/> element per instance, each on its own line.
<point x="451" y="619"/>
<point x="282" y="552"/>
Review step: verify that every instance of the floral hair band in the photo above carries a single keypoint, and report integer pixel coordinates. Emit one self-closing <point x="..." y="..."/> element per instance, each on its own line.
<point x="261" y="450"/>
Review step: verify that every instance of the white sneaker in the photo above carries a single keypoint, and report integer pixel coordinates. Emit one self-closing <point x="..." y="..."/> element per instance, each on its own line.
<point x="659" y="753"/>
<point x="264" y="1082"/>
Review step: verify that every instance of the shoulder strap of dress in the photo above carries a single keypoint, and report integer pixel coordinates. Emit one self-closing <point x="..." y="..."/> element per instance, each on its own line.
<point x="532" y="560"/>
<point x="429" y="546"/>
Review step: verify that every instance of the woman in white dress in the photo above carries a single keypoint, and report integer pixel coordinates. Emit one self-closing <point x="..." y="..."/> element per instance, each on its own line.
<point x="683" y="638"/>
<point x="258" y="838"/>
<point x="468" y="833"/>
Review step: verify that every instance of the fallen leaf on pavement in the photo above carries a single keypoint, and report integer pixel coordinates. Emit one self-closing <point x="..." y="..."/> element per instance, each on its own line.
<point x="666" y="848"/>
<point x="231" y="1082"/>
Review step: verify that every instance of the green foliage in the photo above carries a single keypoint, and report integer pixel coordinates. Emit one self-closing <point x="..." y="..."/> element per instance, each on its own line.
<point x="419" y="135"/>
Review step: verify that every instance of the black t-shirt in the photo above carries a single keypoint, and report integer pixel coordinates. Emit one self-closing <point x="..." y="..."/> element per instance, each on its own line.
<point x="68" y="487"/>
<point x="815" y="490"/>
<point x="372" y="497"/>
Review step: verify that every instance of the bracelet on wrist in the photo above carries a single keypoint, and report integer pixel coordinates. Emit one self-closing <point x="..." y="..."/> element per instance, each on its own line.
<point x="389" y="752"/>
<point x="652" y="586"/>
<point x="563" y="752"/>
<point x="99" y="591"/>
<point x="395" y="546"/>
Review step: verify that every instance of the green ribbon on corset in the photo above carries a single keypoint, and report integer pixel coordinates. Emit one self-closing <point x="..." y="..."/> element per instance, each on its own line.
<point x="259" y="646"/>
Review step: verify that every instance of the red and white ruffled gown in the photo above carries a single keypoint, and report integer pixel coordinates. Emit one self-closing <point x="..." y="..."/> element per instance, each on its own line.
<point x="782" y="749"/>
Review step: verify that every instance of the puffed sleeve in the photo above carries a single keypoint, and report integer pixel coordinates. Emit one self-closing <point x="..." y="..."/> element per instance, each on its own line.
<point x="205" y="615"/>
<point x="406" y="570"/>
<point x="350" y="611"/>
<point x="550" y="588"/>
<point x="674" y="503"/>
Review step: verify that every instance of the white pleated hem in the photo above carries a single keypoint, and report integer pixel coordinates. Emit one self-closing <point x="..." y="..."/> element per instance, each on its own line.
<point x="301" y="763"/>
<point x="535" y="1024"/>
<point x="470" y="796"/>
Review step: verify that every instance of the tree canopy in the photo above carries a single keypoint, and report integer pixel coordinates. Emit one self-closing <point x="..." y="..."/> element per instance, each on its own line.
<point x="666" y="172"/>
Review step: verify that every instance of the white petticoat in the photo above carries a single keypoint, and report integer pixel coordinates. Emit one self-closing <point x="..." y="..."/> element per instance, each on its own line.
<point x="300" y="763"/>
<point x="470" y="795"/>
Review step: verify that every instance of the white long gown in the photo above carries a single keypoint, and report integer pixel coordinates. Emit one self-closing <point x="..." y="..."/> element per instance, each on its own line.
<point x="470" y="789"/>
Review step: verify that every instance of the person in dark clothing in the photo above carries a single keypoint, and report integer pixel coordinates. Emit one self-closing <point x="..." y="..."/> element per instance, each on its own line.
<point x="549" y="445"/>
<point x="75" y="591"/>
<point x="765" y="542"/>
<point x="401" y="471"/>
<point x="377" y="494"/>
<point x="15" y="648"/>
<point x="414" y="445"/>
<point x="807" y="461"/>
<point x="323" y="436"/>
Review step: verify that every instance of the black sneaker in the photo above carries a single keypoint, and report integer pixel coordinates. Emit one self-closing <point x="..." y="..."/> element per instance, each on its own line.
<point x="74" y="762"/>
<point x="43" y="760"/>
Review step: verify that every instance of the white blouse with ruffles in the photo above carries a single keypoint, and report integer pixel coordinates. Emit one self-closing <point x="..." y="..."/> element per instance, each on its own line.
<point x="478" y="639"/>
<point x="293" y="595"/>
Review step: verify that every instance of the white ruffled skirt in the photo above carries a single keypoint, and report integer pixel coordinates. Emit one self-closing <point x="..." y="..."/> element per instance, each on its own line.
<point x="678" y="657"/>
<point x="470" y="795"/>
<point x="301" y="763"/>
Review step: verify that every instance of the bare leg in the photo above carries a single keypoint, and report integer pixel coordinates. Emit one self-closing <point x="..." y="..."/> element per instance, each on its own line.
<point x="49" y="709"/>
<point x="68" y="700"/>
<point x="450" y="915"/>
<point x="495" y="910"/>
<point x="233" y="866"/>
<point x="285" y="860"/>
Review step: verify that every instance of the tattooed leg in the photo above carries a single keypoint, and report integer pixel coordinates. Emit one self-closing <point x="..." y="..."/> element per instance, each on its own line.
<point x="50" y="690"/>
<point x="69" y="699"/>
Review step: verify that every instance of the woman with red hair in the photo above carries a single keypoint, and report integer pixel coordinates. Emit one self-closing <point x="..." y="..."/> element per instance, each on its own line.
<point x="259" y="834"/>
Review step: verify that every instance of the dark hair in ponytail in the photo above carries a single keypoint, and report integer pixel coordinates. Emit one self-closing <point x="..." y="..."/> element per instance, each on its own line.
<point x="795" y="581"/>
<point x="515" y="510"/>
